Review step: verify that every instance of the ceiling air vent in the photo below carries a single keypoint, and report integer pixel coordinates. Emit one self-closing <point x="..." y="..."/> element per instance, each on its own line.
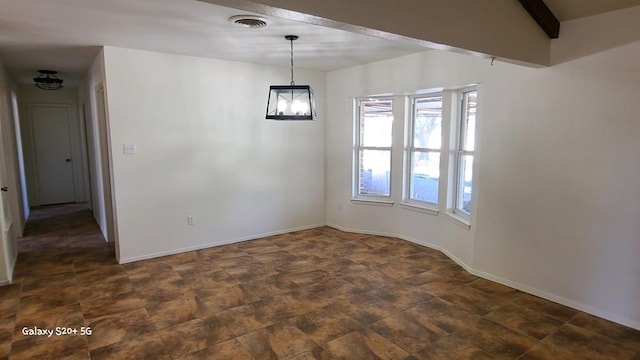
<point x="249" y="21"/>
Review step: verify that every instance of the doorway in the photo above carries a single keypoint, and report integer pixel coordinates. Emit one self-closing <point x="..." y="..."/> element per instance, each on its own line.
<point x="53" y="164"/>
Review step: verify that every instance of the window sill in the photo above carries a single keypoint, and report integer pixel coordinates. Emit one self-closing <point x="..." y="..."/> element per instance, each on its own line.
<point x="458" y="220"/>
<point x="374" y="202"/>
<point x="420" y="208"/>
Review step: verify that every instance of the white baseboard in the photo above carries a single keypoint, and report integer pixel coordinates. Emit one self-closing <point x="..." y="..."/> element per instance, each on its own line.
<point x="533" y="291"/>
<point x="218" y="243"/>
<point x="5" y="282"/>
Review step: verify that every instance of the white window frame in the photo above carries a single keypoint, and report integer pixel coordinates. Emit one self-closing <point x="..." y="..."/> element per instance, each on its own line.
<point x="411" y="149"/>
<point x="358" y="147"/>
<point x="460" y="152"/>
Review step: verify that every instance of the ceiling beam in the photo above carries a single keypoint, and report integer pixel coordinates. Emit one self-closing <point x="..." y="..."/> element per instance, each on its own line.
<point x="541" y="13"/>
<point x="494" y="28"/>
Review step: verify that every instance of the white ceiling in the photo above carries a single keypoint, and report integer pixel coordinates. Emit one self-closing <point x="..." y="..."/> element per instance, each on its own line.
<point x="65" y="35"/>
<point x="573" y="9"/>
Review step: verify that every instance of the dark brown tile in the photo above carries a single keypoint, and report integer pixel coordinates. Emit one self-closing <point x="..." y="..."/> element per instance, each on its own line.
<point x="402" y="297"/>
<point x="318" y="353"/>
<point x="525" y="321"/>
<point x="341" y="266"/>
<point x="144" y="347"/>
<point x="447" y="316"/>
<point x="115" y="328"/>
<point x="309" y="277"/>
<point x="401" y="269"/>
<point x="194" y="335"/>
<point x="270" y="286"/>
<point x="223" y="298"/>
<point x="285" y="307"/>
<point x="547" y="307"/>
<point x="221" y="252"/>
<point x="364" y="308"/>
<point x="366" y="258"/>
<point x="496" y="339"/>
<point x="582" y="341"/>
<point x="110" y="305"/>
<point x="69" y="347"/>
<point x="368" y="279"/>
<point x="99" y="293"/>
<point x="140" y="272"/>
<point x="473" y="300"/>
<point x="325" y="324"/>
<point x="7" y="328"/>
<point x="100" y="274"/>
<point x="279" y="341"/>
<point x="253" y="271"/>
<point x="451" y="347"/>
<point x="607" y="328"/>
<point x="247" y="318"/>
<point x="167" y="287"/>
<point x="545" y="351"/>
<point x="182" y="258"/>
<point x="309" y="297"/>
<point x="197" y="280"/>
<point x="366" y="344"/>
<point x="42" y="316"/>
<point x="377" y="242"/>
<point x="493" y="288"/>
<point x="164" y="314"/>
<point x="441" y="287"/>
<point x="228" y="350"/>
<point x="407" y="332"/>
<point x="9" y="307"/>
<point x="58" y="288"/>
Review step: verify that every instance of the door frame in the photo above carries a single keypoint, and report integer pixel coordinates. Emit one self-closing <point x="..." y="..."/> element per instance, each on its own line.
<point x="104" y="157"/>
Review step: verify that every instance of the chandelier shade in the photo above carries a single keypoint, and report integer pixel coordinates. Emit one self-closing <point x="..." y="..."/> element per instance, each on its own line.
<point x="291" y="102"/>
<point x="47" y="80"/>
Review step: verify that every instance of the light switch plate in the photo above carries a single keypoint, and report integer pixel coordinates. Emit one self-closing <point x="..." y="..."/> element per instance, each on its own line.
<point x="129" y="149"/>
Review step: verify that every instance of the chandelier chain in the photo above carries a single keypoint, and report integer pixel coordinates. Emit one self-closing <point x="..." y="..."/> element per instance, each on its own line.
<point x="292" y="82"/>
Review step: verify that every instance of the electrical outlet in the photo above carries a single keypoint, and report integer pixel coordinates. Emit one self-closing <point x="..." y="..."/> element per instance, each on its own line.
<point x="191" y="220"/>
<point x="129" y="149"/>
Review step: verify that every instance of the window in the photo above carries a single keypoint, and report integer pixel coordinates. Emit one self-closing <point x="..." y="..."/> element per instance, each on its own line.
<point x="464" y="153"/>
<point x="372" y="155"/>
<point x="425" y="143"/>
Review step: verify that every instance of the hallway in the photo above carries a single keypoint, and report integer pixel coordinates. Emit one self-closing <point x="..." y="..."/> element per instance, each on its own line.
<point x="61" y="256"/>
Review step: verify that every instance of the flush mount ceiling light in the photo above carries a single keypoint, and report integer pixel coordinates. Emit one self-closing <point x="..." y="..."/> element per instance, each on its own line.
<point x="291" y="102"/>
<point x="249" y="21"/>
<point x="47" y="80"/>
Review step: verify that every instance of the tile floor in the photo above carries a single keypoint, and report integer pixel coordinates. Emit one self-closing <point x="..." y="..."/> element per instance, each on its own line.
<point x="315" y="294"/>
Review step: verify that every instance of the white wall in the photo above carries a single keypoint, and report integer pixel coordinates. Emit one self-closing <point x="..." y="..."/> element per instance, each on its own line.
<point x="205" y="149"/>
<point x="29" y="95"/>
<point x="556" y="203"/>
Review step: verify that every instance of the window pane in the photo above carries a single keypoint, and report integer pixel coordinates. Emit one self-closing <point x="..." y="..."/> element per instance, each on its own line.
<point x="425" y="175"/>
<point x="376" y="120"/>
<point x="464" y="190"/>
<point x="427" y="124"/>
<point x="374" y="172"/>
<point x="469" y="121"/>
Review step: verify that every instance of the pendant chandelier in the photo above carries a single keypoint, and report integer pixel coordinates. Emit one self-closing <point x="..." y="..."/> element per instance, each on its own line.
<point x="291" y="102"/>
<point x="47" y="80"/>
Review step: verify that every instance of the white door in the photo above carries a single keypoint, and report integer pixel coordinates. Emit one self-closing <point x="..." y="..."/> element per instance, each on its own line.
<point x="52" y="150"/>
